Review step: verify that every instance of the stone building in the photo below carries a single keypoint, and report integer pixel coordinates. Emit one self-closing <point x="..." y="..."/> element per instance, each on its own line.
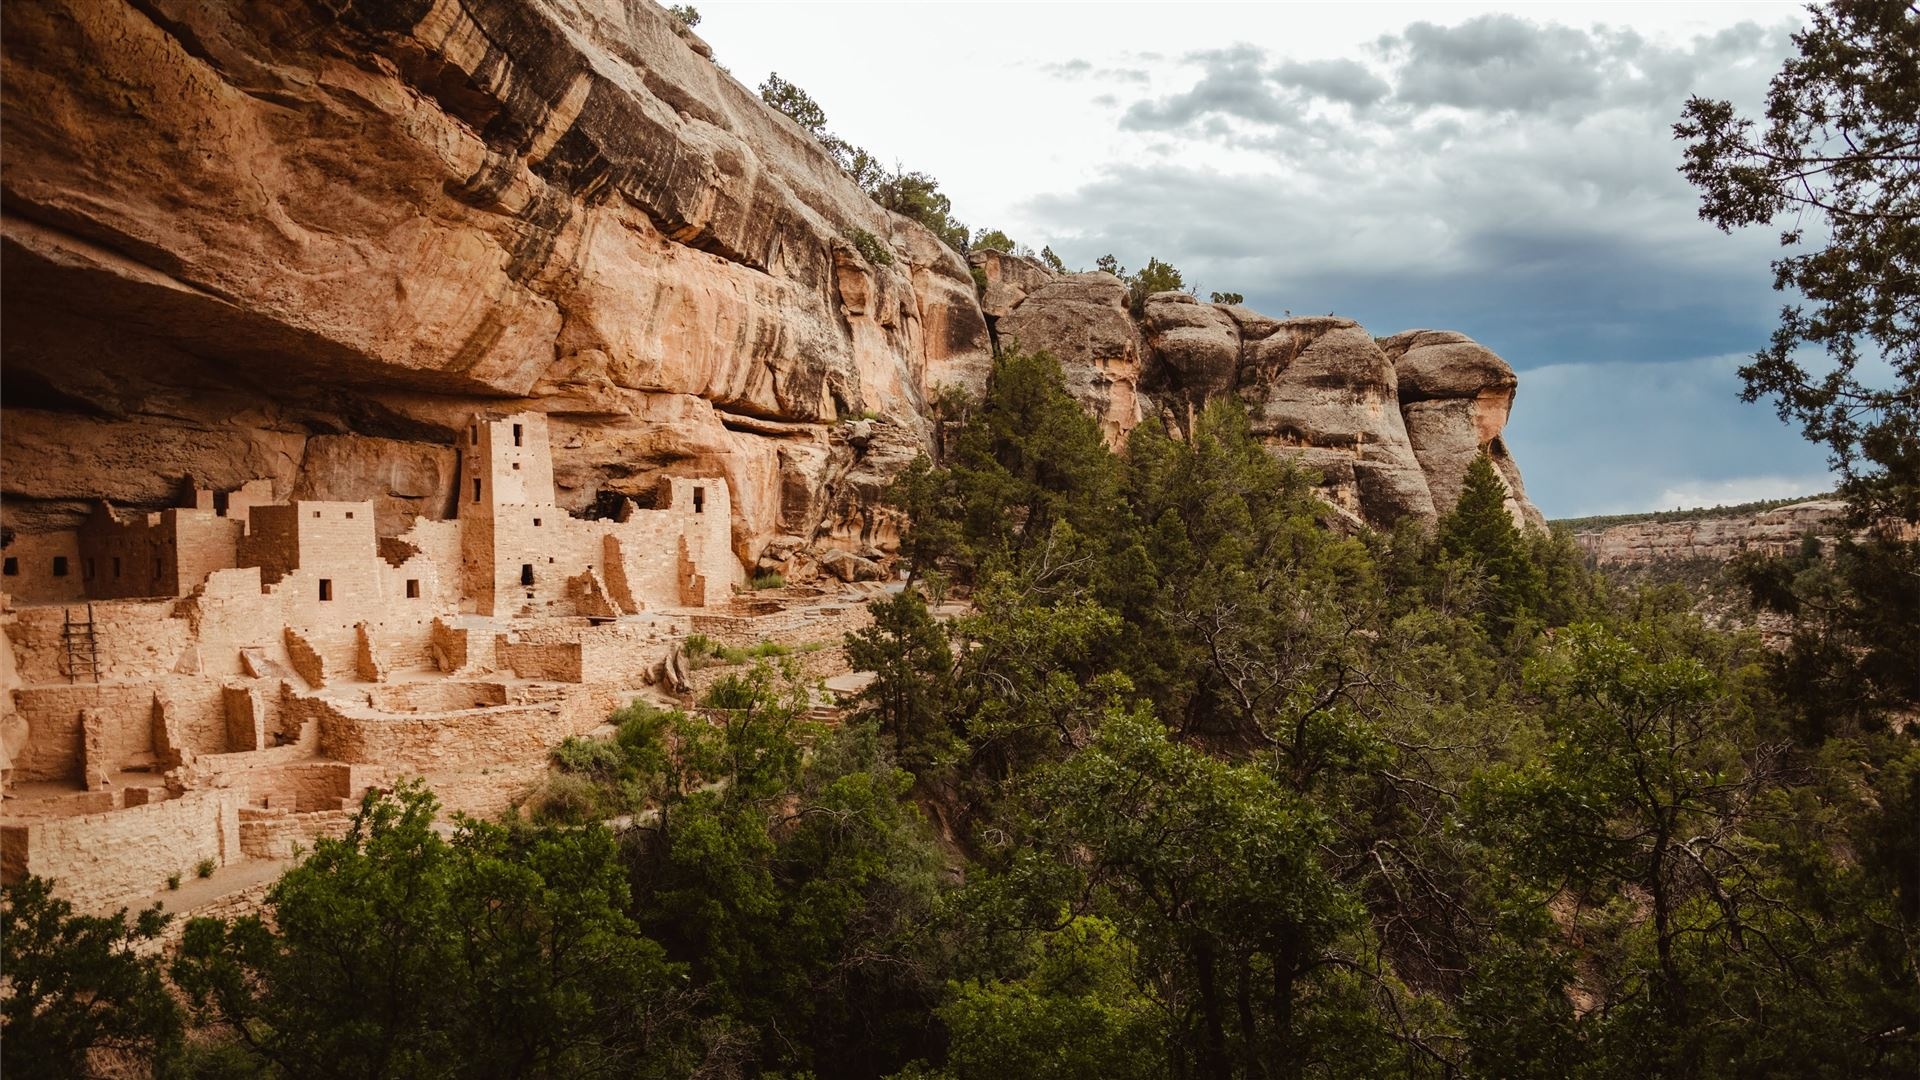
<point x="222" y="679"/>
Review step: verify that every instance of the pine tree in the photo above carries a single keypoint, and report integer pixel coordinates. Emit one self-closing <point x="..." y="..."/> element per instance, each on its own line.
<point x="1481" y="530"/>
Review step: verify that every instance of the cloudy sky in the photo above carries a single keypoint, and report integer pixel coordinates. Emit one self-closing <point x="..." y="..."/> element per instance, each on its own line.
<point x="1502" y="170"/>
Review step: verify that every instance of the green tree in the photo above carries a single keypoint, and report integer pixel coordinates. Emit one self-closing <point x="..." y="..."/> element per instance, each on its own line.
<point x="1227" y="298"/>
<point x="79" y="985"/>
<point x="1645" y="787"/>
<point x="996" y="240"/>
<point x="912" y="660"/>
<point x="1028" y="459"/>
<point x="1480" y="529"/>
<point x="917" y="195"/>
<point x="1075" y="1013"/>
<point x="796" y="104"/>
<point x="393" y="952"/>
<point x="1835" y="157"/>
<point x="1152" y="278"/>
<point x="1855" y="604"/>
<point x="1212" y="871"/>
<point x="686" y="15"/>
<point x="790" y="874"/>
<point x="1837" y="150"/>
<point x="1053" y="261"/>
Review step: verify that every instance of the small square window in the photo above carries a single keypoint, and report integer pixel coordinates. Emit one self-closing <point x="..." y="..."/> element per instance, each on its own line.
<point x="326" y="588"/>
<point x="413" y="588"/>
<point x="516" y="466"/>
<point x="59" y="566"/>
<point x="536" y="523"/>
<point x="13" y="566"/>
<point x="349" y="514"/>
<point x="316" y="513"/>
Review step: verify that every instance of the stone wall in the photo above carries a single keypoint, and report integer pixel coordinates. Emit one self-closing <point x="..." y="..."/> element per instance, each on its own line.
<point x="123" y="855"/>
<point x="465" y="739"/>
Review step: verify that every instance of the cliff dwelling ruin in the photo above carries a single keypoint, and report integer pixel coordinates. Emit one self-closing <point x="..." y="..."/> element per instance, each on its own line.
<point x="222" y="680"/>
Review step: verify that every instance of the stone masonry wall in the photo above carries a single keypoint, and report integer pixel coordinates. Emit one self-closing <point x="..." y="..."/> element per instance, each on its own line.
<point x="123" y="855"/>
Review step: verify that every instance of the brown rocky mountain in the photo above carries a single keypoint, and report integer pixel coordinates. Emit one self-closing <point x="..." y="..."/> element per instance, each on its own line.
<point x="306" y="243"/>
<point x="1775" y="531"/>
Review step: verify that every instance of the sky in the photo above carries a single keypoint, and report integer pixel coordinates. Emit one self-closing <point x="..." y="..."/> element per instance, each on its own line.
<point x="1507" y="171"/>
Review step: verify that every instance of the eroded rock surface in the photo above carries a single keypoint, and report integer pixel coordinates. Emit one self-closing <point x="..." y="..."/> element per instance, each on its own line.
<point x="1082" y="319"/>
<point x="230" y="235"/>
<point x="304" y="245"/>
<point x="1770" y="532"/>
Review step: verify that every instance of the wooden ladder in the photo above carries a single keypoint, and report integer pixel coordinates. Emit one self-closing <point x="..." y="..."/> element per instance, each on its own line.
<point x="83" y="647"/>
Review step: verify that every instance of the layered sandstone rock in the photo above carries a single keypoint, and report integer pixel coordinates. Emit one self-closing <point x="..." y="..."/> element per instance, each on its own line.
<point x="304" y="246"/>
<point x="1390" y="426"/>
<point x="1082" y="319"/>
<point x="1456" y="395"/>
<point x="1771" y="532"/>
<point x="1009" y="278"/>
<point x="229" y="237"/>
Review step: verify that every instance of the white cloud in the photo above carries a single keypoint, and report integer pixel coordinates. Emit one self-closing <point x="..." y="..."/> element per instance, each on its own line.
<point x="1741" y="490"/>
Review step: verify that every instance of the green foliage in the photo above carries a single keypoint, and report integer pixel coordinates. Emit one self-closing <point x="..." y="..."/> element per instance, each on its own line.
<point x="1152" y="278"/>
<point x="77" y="985"/>
<point x="912" y="660"/>
<point x="1227" y="298"/>
<point x="979" y="281"/>
<point x="1074" y="1014"/>
<point x="870" y="247"/>
<point x="684" y="14"/>
<point x="1837" y="147"/>
<point x="1212" y="872"/>
<point x="917" y="195"/>
<point x="1481" y="531"/>
<point x="394" y="952"/>
<point x="769" y="579"/>
<point x="588" y="757"/>
<point x="205" y="868"/>
<point x="1028" y="472"/>
<point x="1836" y="152"/>
<point x="796" y="104"/>
<point x="1053" y="261"/>
<point x="173" y="882"/>
<point x="995" y="240"/>
<point x="797" y="885"/>
<point x="1856" y="619"/>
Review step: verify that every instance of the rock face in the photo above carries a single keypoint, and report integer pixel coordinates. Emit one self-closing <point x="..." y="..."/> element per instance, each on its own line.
<point x="229" y="237"/>
<point x="1772" y="532"/>
<point x="1456" y="394"/>
<point x="1082" y="319"/>
<point x="1389" y="425"/>
<point x="304" y="245"/>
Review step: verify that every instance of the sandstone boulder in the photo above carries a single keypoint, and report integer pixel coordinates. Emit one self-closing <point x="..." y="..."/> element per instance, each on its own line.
<point x="1456" y="394"/>
<point x="1009" y="279"/>
<point x="1083" y="321"/>
<point x="850" y="567"/>
<point x="1197" y="345"/>
<point x="1322" y="384"/>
